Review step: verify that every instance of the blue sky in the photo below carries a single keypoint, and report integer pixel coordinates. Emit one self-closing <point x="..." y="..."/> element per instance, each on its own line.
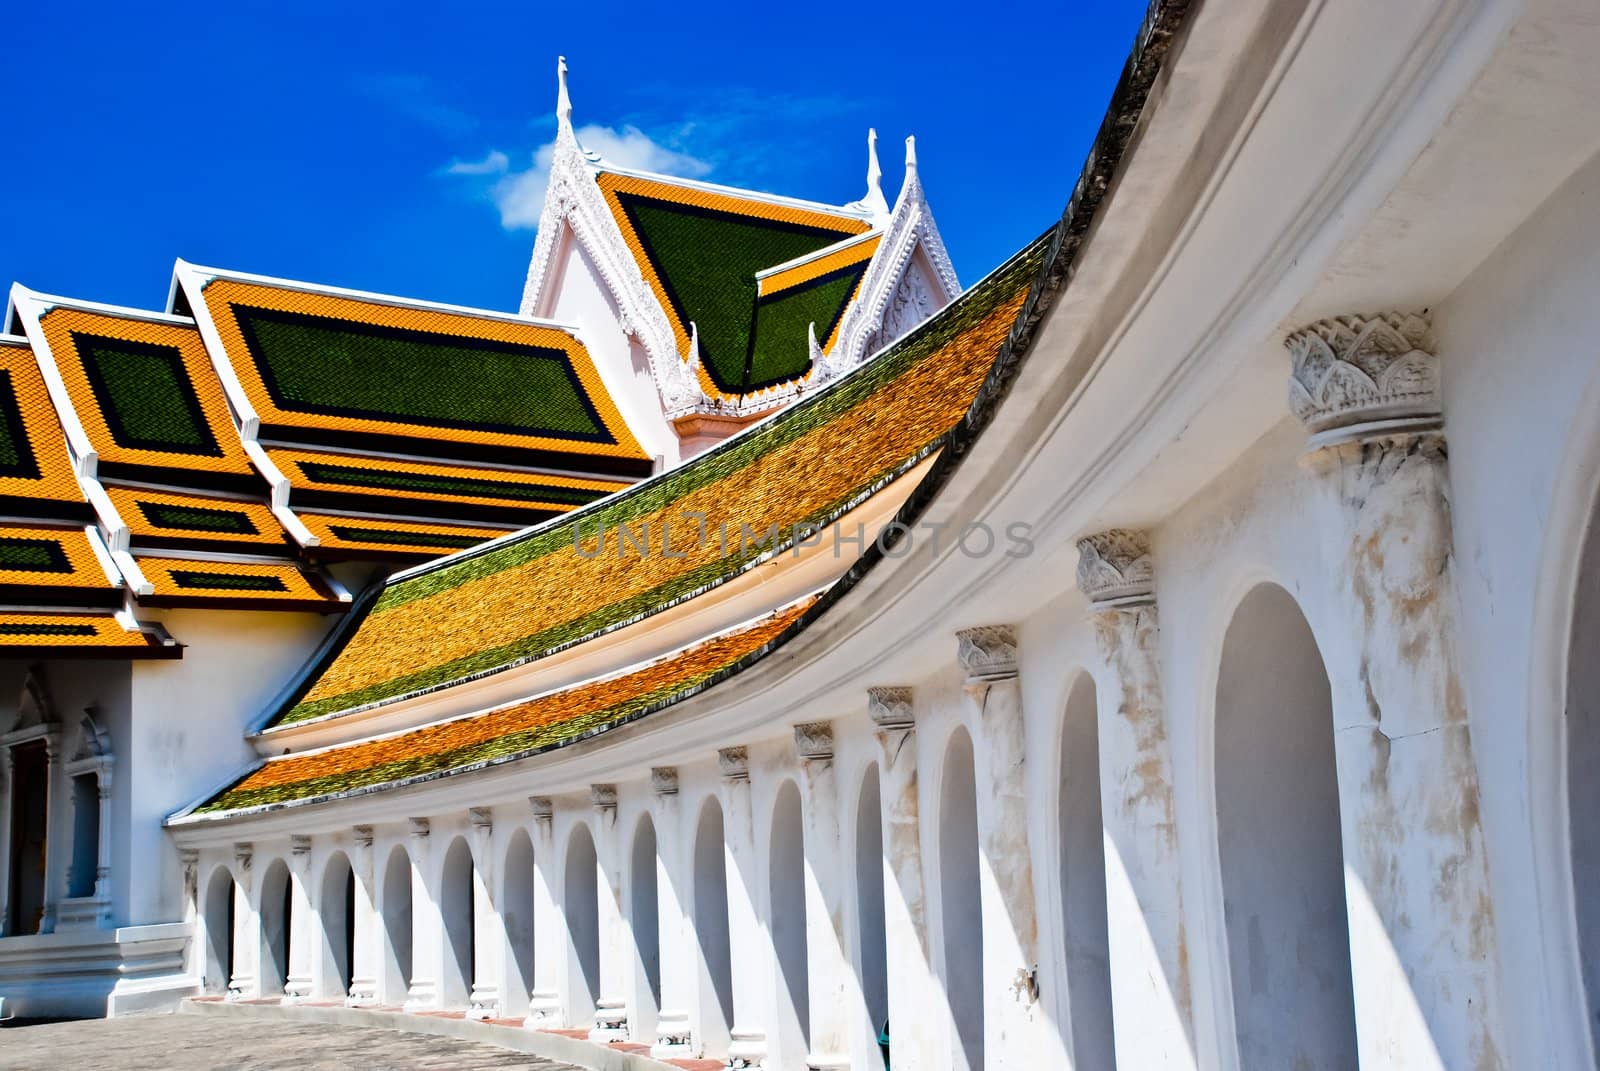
<point x="394" y="147"/>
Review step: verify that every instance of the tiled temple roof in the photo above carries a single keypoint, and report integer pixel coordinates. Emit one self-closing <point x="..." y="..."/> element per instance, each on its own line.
<point x="537" y="592"/>
<point x="701" y="250"/>
<point x="218" y="460"/>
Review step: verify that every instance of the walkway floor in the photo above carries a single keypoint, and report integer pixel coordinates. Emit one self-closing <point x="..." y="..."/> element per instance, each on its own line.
<point x="209" y="1043"/>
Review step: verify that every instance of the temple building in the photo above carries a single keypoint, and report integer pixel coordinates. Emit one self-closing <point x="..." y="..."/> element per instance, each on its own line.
<point x="1173" y="650"/>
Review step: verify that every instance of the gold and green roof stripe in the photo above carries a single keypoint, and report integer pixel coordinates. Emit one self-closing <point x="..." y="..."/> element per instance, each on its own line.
<point x="503" y="734"/>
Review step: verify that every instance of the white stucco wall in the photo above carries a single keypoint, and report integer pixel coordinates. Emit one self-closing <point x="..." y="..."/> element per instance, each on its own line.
<point x="188" y="725"/>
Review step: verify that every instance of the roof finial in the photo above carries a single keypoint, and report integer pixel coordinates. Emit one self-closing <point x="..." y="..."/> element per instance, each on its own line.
<point x="911" y="156"/>
<point x="874" y="173"/>
<point x="563" y="101"/>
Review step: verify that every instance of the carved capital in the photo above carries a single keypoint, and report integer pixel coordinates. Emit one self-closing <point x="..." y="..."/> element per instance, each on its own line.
<point x="734" y="762"/>
<point x="814" y="740"/>
<point x="988" y="653"/>
<point x="1350" y="372"/>
<point x="603" y="797"/>
<point x="544" y="811"/>
<point x="890" y="708"/>
<point x="243" y="853"/>
<point x="664" y="780"/>
<point x="419" y="827"/>
<point x="1114" y="568"/>
<point x="364" y="836"/>
<point x="300" y="844"/>
<point x="481" y="819"/>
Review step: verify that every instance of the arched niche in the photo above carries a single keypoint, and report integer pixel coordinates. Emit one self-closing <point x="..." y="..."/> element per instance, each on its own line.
<point x="787" y="865"/>
<point x="1279" y="845"/>
<point x="276" y="926"/>
<point x="644" y="921"/>
<point x="516" y="914"/>
<point x="580" y="907"/>
<point x="1082" y="879"/>
<point x="217" y="916"/>
<point x="336" y="906"/>
<point x="394" y="907"/>
<point x="960" y="902"/>
<point x="714" y="971"/>
<point x="456" y="911"/>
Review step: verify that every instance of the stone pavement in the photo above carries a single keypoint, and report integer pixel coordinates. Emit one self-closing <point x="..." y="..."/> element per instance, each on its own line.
<point x="211" y="1043"/>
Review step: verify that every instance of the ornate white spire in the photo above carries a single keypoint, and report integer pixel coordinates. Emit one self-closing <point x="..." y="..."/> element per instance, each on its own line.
<point x="874" y="198"/>
<point x="563" y="101"/>
<point x="911" y="156"/>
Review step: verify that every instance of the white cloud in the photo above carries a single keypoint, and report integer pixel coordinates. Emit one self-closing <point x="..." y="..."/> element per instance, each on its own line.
<point x="493" y="164"/>
<point x="519" y="195"/>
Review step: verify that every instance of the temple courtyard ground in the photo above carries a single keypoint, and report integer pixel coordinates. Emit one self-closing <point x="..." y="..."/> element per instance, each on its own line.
<point x="215" y="1043"/>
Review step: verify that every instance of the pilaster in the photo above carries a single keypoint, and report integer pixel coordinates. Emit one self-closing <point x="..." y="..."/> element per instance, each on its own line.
<point x="1014" y="1023"/>
<point x="303" y="923"/>
<point x="1366" y="388"/>
<point x="242" y="984"/>
<point x="1152" y="1009"/>
<point x="674" y="925"/>
<point x="834" y="990"/>
<point x="751" y="941"/>
<point x="914" y="991"/>
<point x="549" y="944"/>
<point x="483" y="1001"/>
<point x="367" y="943"/>
<point x="611" y="1005"/>
<point x="427" y="925"/>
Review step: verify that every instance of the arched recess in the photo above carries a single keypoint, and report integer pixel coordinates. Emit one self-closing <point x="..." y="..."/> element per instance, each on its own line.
<point x="456" y="910"/>
<point x="580" y="905"/>
<point x="516" y="913"/>
<point x="217" y="913"/>
<point x="960" y="901"/>
<point x="1082" y="880"/>
<point x="1279" y="844"/>
<point x="872" y="953"/>
<point x="644" y="921"/>
<point x="714" y="976"/>
<point x="25" y="730"/>
<point x="336" y="902"/>
<point x="787" y="863"/>
<point x="276" y="925"/>
<point x="395" y="908"/>
<point x="1583" y="759"/>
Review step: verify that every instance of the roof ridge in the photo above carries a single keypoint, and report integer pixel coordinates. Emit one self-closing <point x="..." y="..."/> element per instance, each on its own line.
<point x="603" y="167"/>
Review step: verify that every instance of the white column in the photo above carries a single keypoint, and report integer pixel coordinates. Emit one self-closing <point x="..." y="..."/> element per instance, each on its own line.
<point x="244" y="983"/>
<point x="427" y="925"/>
<point x="834" y="991"/>
<point x="303" y="924"/>
<point x="6" y="783"/>
<point x="611" y="1007"/>
<point x="1152" y="1015"/>
<point x="1014" y="1023"/>
<point x="549" y="946"/>
<point x="366" y="923"/>
<point x="751" y="942"/>
<point x="58" y="831"/>
<point x="488" y="939"/>
<point x="1423" y="949"/>
<point x="916" y="1000"/>
<point x="674" y="922"/>
<point x="189" y="859"/>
